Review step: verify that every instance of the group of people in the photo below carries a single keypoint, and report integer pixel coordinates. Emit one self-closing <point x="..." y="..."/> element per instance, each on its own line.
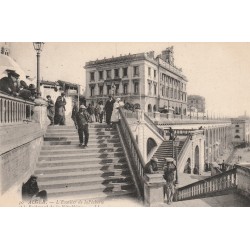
<point x="169" y="171"/>
<point x="12" y="86"/>
<point x="86" y="115"/>
<point x="56" y="111"/>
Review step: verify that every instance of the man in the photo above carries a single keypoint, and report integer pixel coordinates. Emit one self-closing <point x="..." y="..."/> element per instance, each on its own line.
<point x="151" y="167"/>
<point x="50" y="110"/>
<point x="60" y="109"/>
<point x="109" y="109"/>
<point x="74" y="112"/>
<point x="31" y="191"/>
<point x="9" y="84"/>
<point x="169" y="168"/>
<point x="171" y="134"/>
<point x="82" y="119"/>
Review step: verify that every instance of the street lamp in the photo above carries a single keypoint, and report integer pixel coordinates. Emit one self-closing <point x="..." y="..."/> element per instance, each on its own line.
<point x="38" y="46"/>
<point x="176" y="143"/>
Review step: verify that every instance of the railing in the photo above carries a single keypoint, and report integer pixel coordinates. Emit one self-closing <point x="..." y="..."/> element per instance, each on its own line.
<point x="184" y="147"/>
<point x="130" y="114"/>
<point x="155" y="127"/>
<point x="135" y="154"/>
<point x="214" y="185"/>
<point x="14" y="110"/>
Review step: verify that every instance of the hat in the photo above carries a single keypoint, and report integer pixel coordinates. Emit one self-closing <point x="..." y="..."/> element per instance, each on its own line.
<point x="32" y="87"/>
<point x="154" y="159"/>
<point x="118" y="99"/>
<point x="33" y="177"/>
<point x="169" y="159"/>
<point x="82" y="107"/>
<point x="12" y="73"/>
<point x="62" y="93"/>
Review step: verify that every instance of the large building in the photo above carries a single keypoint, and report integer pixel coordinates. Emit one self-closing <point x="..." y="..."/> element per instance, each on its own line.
<point x="152" y="82"/>
<point x="196" y="103"/>
<point x="240" y="131"/>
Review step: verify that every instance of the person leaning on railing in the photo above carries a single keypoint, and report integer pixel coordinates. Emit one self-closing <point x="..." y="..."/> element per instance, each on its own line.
<point x="9" y="85"/>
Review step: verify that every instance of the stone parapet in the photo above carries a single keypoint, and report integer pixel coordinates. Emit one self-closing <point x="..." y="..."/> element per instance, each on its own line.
<point x="153" y="189"/>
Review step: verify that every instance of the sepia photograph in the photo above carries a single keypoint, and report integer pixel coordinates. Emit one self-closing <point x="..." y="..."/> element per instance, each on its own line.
<point x="119" y="124"/>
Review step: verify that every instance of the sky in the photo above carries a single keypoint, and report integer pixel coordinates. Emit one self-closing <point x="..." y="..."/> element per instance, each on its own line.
<point x="218" y="71"/>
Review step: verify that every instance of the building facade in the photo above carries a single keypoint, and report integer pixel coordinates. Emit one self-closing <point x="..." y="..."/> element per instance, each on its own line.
<point x="196" y="103"/>
<point x="152" y="82"/>
<point x="240" y="131"/>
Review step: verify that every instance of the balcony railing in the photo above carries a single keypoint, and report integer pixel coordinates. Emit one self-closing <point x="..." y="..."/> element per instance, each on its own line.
<point x="14" y="110"/>
<point x="211" y="186"/>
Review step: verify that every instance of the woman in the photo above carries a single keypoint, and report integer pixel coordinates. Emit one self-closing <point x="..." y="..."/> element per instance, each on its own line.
<point x="115" y="115"/>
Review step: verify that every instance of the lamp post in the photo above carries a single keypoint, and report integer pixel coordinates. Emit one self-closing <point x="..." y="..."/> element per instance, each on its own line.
<point x="176" y="143"/>
<point x="38" y="46"/>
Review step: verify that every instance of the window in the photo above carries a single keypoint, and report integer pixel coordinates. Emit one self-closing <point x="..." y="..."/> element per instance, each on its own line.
<point x="154" y="73"/>
<point x="100" y="75"/>
<point x="92" y="76"/>
<point x="92" y="91"/>
<point x="136" y="70"/>
<point x="149" y="88"/>
<point x="100" y="90"/>
<point x="162" y="91"/>
<point x="109" y="89"/>
<point x="108" y="74"/>
<point x="237" y="131"/>
<point x="125" y="72"/>
<point x="237" y="137"/>
<point x="237" y="126"/>
<point x="155" y="89"/>
<point x="117" y="89"/>
<point x="116" y="72"/>
<point x="149" y="71"/>
<point x="125" y="88"/>
<point x="136" y="87"/>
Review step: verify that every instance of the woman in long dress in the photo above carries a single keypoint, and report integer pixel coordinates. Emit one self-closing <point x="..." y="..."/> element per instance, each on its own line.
<point x="115" y="115"/>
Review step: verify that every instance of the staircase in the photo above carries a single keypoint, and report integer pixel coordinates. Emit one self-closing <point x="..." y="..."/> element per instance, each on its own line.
<point x="99" y="171"/>
<point x="166" y="150"/>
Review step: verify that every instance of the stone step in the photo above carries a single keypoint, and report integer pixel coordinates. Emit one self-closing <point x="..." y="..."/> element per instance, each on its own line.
<point x="80" y="155"/>
<point x="75" y="137"/>
<point x="72" y="133"/>
<point x="80" y="161"/>
<point x="56" y="151"/>
<point x="81" y="168"/>
<point x="80" y="174"/>
<point x="92" y="146"/>
<point x="76" y="142"/>
<point x="89" y="184"/>
<point x="88" y="196"/>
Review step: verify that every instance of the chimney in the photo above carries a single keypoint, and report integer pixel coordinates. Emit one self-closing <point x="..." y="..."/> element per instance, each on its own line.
<point x="168" y="55"/>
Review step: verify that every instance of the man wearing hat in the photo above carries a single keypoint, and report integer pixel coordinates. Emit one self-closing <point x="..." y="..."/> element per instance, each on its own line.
<point x="109" y="109"/>
<point x="82" y="119"/>
<point x="9" y="84"/>
<point x="169" y="168"/>
<point x="60" y="109"/>
<point x="151" y="167"/>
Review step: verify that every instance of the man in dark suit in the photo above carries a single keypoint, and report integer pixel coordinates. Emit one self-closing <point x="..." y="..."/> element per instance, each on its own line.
<point x="9" y="84"/>
<point x="109" y="109"/>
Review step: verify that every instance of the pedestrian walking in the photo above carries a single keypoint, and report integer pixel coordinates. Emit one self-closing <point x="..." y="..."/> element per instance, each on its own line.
<point x="91" y="111"/>
<point x="74" y="112"/>
<point x="171" y="134"/>
<point x="101" y="106"/>
<point x="109" y="109"/>
<point x="60" y="109"/>
<point x="82" y="119"/>
<point x="169" y="169"/>
<point x="50" y="109"/>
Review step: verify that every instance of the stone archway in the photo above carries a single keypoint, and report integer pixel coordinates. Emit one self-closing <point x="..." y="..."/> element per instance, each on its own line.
<point x="196" y="160"/>
<point x="151" y="145"/>
<point x="149" y="108"/>
<point x="154" y="108"/>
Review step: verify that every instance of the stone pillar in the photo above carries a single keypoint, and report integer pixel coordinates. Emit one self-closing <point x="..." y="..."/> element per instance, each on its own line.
<point x="40" y="113"/>
<point x="153" y="189"/>
<point x="139" y="115"/>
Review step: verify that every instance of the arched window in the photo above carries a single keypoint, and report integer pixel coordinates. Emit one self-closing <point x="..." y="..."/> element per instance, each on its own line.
<point x="237" y="126"/>
<point x="149" y="108"/>
<point x="237" y="131"/>
<point x="154" y="107"/>
<point x="237" y="137"/>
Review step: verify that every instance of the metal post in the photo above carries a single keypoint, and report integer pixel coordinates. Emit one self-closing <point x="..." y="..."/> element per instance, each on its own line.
<point x="38" y="72"/>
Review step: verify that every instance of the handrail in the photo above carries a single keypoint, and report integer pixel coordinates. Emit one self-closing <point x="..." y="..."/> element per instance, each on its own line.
<point x="136" y="157"/>
<point x="14" y="110"/>
<point x="216" y="184"/>
<point x="153" y="125"/>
